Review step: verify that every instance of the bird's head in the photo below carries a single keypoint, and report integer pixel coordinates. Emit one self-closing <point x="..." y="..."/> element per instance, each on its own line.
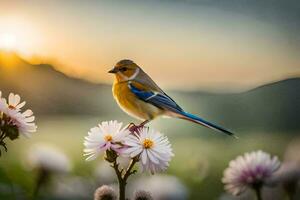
<point x="125" y="70"/>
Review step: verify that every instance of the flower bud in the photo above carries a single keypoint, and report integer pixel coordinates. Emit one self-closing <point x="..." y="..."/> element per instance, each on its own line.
<point x="105" y="193"/>
<point x="110" y="156"/>
<point x="12" y="132"/>
<point x="142" y="195"/>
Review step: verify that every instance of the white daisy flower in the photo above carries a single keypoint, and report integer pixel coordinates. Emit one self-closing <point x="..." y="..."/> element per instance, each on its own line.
<point x="51" y="159"/>
<point x="153" y="149"/>
<point x="249" y="171"/>
<point x="14" y="102"/>
<point x="106" y="136"/>
<point x="24" y="121"/>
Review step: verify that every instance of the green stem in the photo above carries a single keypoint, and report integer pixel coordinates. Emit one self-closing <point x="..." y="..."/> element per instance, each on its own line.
<point x="3" y="136"/>
<point x="290" y="188"/>
<point x="258" y="193"/>
<point x="290" y="196"/>
<point x="2" y="143"/>
<point x="122" y="179"/>
<point x="41" y="180"/>
<point x="128" y="170"/>
<point x="115" y="165"/>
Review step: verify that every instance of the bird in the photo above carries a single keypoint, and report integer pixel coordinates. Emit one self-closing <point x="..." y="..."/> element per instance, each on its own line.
<point x="140" y="97"/>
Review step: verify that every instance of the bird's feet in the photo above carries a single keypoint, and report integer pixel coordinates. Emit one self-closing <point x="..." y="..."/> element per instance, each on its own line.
<point x="136" y="128"/>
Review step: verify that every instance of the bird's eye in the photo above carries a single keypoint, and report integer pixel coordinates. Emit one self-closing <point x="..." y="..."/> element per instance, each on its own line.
<point x="123" y="69"/>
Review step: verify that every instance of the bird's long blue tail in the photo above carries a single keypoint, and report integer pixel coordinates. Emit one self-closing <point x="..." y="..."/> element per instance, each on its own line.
<point x="198" y="120"/>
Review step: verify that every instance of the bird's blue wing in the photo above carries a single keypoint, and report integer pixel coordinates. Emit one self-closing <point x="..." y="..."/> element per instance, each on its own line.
<point x="165" y="102"/>
<point x="157" y="99"/>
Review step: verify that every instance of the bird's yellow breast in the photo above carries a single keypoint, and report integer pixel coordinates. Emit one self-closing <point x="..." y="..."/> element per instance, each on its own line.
<point x="131" y="104"/>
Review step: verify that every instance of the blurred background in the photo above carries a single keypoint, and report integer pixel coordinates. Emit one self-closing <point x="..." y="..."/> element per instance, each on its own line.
<point x="233" y="62"/>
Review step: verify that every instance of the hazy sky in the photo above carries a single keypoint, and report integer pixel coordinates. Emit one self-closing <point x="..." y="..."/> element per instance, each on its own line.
<point x="182" y="44"/>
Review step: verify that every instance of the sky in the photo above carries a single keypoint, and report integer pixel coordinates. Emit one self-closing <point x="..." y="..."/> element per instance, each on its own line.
<point x="182" y="44"/>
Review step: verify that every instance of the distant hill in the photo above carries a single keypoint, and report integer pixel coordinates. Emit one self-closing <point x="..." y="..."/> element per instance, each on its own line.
<point x="48" y="91"/>
<point x="272" y="107"/>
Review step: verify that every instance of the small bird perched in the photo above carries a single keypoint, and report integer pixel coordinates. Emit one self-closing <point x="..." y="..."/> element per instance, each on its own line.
<point x="139" y="96"/>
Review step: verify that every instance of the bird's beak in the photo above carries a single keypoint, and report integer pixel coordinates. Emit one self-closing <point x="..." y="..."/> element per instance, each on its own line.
<point x="113" y="70"/>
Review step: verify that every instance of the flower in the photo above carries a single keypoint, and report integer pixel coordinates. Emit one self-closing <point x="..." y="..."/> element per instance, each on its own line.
<point x="152" y="148"/>
<point x="249" y="171"/>
<point x="106" y="136"/>
<point x="47" y="158"/>
<point x="14" y="102"/>
<point x="23" y="121"/>
<point x="105" y="193"/>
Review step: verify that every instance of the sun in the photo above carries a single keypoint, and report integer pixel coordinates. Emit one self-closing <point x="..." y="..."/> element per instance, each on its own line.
<point x="8" y="41"/>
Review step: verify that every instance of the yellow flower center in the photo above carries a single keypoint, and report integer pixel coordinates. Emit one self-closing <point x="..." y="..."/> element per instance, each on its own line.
<point x="148" y="143"/>
<point x="108" y="138"/>
<point x="11" y="107"/>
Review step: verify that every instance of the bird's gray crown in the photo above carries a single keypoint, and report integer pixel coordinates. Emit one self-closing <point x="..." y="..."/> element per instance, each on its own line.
<point x="124" y="62"/>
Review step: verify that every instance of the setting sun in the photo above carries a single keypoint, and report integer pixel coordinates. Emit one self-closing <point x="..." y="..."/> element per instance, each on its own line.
<point x="8" y="41"/>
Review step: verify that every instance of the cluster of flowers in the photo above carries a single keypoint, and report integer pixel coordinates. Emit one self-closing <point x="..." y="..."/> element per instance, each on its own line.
<point x="149" y="147"/>
<point x="53" y="173"/>
<point x="145" y="146"/>
<point x="14" y="121"/>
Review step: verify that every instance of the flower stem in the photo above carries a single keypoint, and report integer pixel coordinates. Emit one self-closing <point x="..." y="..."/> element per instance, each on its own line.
<point x="128" y="170"/>
<point x="122" y="178"/>
<point x="2" y="132"/>
<point x="42" y="178"/>
<point x="258" y="193"/>
<point x="2" y="143"/>
<point x="290" y="196"/>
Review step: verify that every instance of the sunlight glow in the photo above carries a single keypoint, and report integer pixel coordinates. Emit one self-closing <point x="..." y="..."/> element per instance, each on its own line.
<point x="8" y="41"/>
<point x="212" y="49"/>
<point x="20" y="35"/>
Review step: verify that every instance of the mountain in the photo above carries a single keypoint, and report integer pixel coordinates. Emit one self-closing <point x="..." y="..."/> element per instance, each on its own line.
<point x="272" y="107"/>
<point x="48" y="91"/>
